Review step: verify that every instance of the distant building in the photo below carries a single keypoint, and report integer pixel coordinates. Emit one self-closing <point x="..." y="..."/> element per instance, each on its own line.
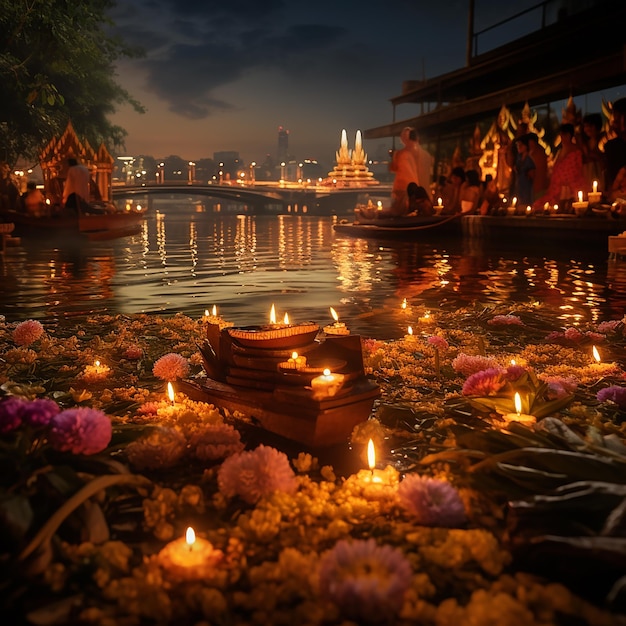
<point x="283" y="145"/>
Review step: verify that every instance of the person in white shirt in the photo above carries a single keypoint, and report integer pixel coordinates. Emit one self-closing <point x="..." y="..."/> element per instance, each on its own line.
<point x="76" y="188"/>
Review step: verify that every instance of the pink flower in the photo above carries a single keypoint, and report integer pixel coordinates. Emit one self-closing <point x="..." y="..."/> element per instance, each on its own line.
<point x="133" y="353"/>
<point x="40" y="412"/>
<point x="431" y="501"/>
<point x="610" y="326"/>
<point x="573" y="334"/>
<point x="216" y="441"/>
<point x="614" y="394"/>
<point x="438" y="342"/>
<point x="27" y="332"/>
<point x="467" y="364"/>
<point x="505" y="320"/>
<point x="568" y="384"/>
<point x="256" y="473"/>
<point x="80" y="431"/>
<point x="171" y="366"/>
<point x="367" y="582"/>
<point x="513" y="372"/>
<point x="11" y="413"/>
<point x="485" y="383"/>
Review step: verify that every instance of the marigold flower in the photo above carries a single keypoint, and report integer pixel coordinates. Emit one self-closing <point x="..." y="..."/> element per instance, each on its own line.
<point x="256" y="473"/>
<point x="216" y="441"/>
<point x="431" y="501"/>
<point x="614" y="394"/>
<point x="162" y="448"/>
<point x="171" y="366"/>
<point x="27" y="332"/>
<point x="367" y="582"/>
<point x="484" y="383"/>
<point x="80" y="431"/>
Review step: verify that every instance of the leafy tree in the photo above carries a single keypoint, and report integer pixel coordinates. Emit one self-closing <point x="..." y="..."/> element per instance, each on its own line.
<point x="57" y="63"/>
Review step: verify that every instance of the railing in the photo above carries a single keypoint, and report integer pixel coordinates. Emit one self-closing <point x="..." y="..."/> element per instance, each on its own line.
<point x="527" y="21"/>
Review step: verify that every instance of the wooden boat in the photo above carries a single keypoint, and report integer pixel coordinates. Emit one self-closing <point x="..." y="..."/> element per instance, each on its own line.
<point x="401" y="227"/>
<point x="564" y="227"/>
<point x="250" y="372"/>
<point x="100" y="225"/>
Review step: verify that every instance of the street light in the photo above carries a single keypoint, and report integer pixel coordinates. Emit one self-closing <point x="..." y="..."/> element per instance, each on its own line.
<point x="192" y="172"/>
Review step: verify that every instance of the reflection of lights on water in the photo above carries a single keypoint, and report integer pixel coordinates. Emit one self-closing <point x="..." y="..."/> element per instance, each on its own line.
<point x="193" y="246"/>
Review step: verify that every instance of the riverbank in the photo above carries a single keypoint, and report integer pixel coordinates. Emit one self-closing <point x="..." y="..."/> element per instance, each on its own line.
<point x="477" y="518"/>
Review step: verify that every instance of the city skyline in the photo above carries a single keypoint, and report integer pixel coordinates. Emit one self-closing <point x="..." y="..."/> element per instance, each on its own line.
<point x="216" y="78"/>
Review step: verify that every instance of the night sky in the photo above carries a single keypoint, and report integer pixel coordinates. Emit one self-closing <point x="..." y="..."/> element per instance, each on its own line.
<point x="224" y="76"/>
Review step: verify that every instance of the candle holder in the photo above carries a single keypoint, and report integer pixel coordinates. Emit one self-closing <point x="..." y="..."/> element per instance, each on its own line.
<point x="189" y="558"/>
<point x="594" y="197"/>
<point x="580" y="208"/>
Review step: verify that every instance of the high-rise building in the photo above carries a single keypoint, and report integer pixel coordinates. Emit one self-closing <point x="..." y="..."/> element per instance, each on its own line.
<point x="283" y="144"/>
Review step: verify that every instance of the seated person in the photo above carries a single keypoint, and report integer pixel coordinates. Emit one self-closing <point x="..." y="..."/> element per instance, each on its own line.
<point x="419" y="202"/>
<point x="34" y="201"/>
<point x="618" y="189"/>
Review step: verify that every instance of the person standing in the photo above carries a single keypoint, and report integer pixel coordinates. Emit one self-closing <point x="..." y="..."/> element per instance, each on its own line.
<point x="615" y="149"/>
<point x="76" y="188"/>
<point x="404" y="164"/>
<point x="524" y="172"/>
<point x="540" y="159"/>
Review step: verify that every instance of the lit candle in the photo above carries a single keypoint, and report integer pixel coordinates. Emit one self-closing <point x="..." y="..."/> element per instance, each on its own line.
<point x="212" y="317"/>
<point x="439" y="207"/>
<point x="326" y="385"/>
<point x="373" y="483"/>
<point x="296" y="362"/>
<point x="95" y="372"/>
<point x="371" y="462"/>
<point x="403" y="305"/>
<point x="596" y="354"/>
<point x="170" y="394"/>
<point x="273" y="315"/>
<point x="580" y="196"/>
<point x="427" y="318"/>
<point x="189" y="558"/>
<point x="595" y="195"/>
<point x="379" y="206"/>
<point x="409" y="334"/>
<point x="595" y="186"/>
<point x="338" y="328"/>
<point x="518" y="416"/>
<point x="514" y="201"/>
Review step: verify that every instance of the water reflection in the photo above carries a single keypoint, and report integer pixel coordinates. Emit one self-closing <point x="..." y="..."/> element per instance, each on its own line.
<point x="187" y="261"/>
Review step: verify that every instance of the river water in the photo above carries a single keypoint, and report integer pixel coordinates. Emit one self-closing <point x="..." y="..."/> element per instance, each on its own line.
<point x="187" y="261"/>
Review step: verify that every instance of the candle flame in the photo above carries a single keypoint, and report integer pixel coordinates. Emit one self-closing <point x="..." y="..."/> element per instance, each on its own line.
<point x="190" y="537"/>
<point x="334" y="314"/>
<point x="97" y="363"/>
<point x="206" y="312"/>
<point x="513" y="361"/>
<point x="514" y="201"/>
<point x="170" y="392"/>
<point x="439" y="201"/>
<point x="518" y="403"/>
<point x="595" y="186"/>
<point x="326" y="372"/>
<point x="403" y="304"/>
<point x="214" y="310"/>
<point x="371" y="455"/>
<point x="596" y="354"/>
<point x="580" y="196"/>
<point x="409" y="330"/>
<point x="286" y="318"/>
<point x="273" y="315"/>
<point x="294" y="355"/>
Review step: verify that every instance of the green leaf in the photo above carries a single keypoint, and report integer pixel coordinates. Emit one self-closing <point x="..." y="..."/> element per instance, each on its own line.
<point x="17" y="515"/>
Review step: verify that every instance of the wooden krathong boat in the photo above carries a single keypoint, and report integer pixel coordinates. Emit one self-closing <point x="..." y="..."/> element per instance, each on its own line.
<point x="253" y="370"/>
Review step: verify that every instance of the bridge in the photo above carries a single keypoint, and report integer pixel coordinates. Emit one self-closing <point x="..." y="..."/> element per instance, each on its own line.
<point x="263" y="197"/>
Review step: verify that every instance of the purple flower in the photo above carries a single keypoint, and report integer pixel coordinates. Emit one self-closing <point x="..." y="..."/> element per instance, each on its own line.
<point x="438" y="342"/>
<point x="505" y="320"/>
<point x="11" y="413"/>
<point x="367" y="582"/>
<point x="256" y="473"/>
<point x="567" y="384"/>
<point x="573" y="334"/>
<point x="80" y="431"/>
<point x="431" y="501"/>
<point x="171" y="366"/>
<point x="27" y="332"/>
<point x="485" y="383"/>
<point x="614" y="394"/>
<point x="39" y="412"/>
<point x="513" y="372"/>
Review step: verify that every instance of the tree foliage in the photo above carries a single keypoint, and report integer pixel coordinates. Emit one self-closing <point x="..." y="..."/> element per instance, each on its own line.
<point x="57" y="63"/>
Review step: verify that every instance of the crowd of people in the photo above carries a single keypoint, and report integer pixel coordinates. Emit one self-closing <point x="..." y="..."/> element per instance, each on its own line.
<point x="584" y="155"/>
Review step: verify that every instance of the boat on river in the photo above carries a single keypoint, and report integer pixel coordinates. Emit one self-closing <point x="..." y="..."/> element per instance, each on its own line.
<point x="108" y="222"/>
<point x="564" y="227"/>
<point x="401" y="227"/>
